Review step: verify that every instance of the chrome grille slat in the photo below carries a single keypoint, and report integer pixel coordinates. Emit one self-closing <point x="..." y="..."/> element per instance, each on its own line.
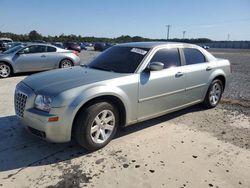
<point x="20" y="102"/>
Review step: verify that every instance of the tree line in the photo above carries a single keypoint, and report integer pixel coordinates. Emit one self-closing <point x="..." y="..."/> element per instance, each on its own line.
<point x="35" y="36"/>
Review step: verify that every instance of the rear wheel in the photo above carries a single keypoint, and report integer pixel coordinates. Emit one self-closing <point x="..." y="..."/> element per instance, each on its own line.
<point x="5" y="70"/>
<point x="96" y="125"/>
<point x="214" y="94"/>
<point x="66" y="63"/>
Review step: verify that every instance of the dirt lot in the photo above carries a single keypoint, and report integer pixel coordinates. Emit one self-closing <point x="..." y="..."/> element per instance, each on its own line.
<point x="190" y="148"/>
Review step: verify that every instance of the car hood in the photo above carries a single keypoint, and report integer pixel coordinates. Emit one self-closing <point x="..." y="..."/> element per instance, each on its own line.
<point x="57" y="81"/>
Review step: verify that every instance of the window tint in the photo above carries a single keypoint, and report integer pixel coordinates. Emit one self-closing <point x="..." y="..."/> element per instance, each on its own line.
<point x="35" y="49"/>
<point x="169" y="57"/>
<point x="119" y="59"/>
<point x="193" y="56"/>
<point x="51" y="49"/>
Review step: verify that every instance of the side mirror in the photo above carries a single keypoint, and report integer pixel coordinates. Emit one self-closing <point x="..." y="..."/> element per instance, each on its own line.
<point x="155" y="66"/>
<point x="20" y="52"/>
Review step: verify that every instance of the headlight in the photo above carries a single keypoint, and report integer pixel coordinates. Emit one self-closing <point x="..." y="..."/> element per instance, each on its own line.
<point x="43" y="103"/>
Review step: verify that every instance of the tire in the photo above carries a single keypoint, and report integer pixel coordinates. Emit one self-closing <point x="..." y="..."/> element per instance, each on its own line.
<point x="96" y="125"/>
<point x="5" y="70"/>
<point x="214" y="94"/>
<point x="66" y="63"/>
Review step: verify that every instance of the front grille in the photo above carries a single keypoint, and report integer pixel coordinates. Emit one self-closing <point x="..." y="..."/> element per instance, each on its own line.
<point x="20" y="102"/>
<point x="37" y="132"/>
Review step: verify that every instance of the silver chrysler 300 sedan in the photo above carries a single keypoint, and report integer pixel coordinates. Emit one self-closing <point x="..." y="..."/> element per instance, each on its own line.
<point x="35" y="57"/>
<point x="126" y="84"/>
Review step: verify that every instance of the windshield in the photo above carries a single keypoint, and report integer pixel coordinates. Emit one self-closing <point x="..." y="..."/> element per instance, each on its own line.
<point x="119" y="59"/>
<point x="11" y="50"/>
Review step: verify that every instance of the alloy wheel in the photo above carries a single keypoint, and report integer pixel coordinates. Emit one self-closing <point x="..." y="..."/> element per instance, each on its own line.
<point x="102" y="126"/>
<point x="4" y="70"/>
<point x="215" y="94"/>
<point x="66" y="64"/>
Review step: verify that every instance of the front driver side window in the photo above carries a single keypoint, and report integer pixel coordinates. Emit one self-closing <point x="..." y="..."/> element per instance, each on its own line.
<point x="34" y="49"/>
<point x="169" y="57"/>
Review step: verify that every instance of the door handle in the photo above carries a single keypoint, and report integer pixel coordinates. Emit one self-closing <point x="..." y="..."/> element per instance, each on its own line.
<point x="179" y="74"/>
<point x="208" y="68"/>
<point x="43" y="55"/>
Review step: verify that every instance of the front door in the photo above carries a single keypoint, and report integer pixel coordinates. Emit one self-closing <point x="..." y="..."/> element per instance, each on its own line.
<point x="164" y="90"/>
<point x="31" y="58"/>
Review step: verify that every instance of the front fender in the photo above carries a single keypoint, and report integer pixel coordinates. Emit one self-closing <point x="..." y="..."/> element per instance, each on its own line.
<point x="95" y="92"/>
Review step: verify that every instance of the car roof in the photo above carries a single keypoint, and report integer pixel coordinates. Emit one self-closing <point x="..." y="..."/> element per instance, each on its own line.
<point x="6" y="39"/>
<point x="40" y="44"/>
<point x="153" y="44"/>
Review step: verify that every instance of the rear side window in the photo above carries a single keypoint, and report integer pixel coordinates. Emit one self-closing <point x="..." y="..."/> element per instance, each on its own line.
<point x="51" y="49"/>
<point x="169" y="57"/>
<point x="193" y="56"/>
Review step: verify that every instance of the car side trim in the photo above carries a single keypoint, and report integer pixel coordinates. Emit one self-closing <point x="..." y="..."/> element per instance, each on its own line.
<point x="161" y="95"/>
<point x="194" y="87"/>
<point x="169" y="110"/>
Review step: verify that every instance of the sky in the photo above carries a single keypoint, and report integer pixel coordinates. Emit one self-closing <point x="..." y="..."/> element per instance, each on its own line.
<point x="214" y="19"/>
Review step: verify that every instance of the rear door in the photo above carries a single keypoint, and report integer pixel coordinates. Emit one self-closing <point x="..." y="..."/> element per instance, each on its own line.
<point x="52" y="58"/>
<point x="31" y="58"/>
<point x="163" y="90"/>
<point x="198" y="71"/>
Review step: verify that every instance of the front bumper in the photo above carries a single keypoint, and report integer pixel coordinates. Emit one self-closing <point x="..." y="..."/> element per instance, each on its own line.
<point x="36" y="122"/>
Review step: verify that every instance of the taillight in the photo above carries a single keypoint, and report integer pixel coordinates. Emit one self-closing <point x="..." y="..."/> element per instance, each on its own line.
<point x="76" y="53"/>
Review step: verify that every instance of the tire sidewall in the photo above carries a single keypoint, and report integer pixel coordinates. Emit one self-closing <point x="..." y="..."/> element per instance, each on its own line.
<point x="85" y="124"/>
<point x="60" y="64"/>
<point x="9" y="68"/>
<point x="208" y="102"/>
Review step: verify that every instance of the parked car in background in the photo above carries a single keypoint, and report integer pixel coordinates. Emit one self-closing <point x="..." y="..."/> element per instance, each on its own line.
<point x="13" y="44"/>
<point x="36" y="57"/>
<point x="205" y="47"/>
<point x="83" y="46"/>
<point x="58" y="44"/>
<point x="126" y="84"/>
<point x="39" y="41"/>
<point x="86" y="46"/>
<point x="101" y="46"/>
<point x="4" y="43"/>
<point x="72" y="46"/>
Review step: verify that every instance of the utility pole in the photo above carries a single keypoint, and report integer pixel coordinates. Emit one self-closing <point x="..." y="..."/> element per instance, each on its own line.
<point x="168" y="27"/>
<point x="228" y="36"/>
<point x="183" y="33"/>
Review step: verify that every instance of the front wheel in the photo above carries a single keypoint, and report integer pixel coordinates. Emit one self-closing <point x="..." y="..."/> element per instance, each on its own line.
<point x="5" y="70"/>
<point x="96" y="125"/>
<point x="214" y="94"/>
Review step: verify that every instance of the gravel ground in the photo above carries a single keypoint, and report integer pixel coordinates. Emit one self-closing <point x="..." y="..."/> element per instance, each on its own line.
<point x="239" y="91"/>
<point x="190" y="148"/>
<point x="240" y="79"/>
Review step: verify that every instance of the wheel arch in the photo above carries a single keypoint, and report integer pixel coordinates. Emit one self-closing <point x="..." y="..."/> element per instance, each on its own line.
<point x="222" y="78"/>
<point x="218" y="74"/>
<point x="116" y="101"/>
